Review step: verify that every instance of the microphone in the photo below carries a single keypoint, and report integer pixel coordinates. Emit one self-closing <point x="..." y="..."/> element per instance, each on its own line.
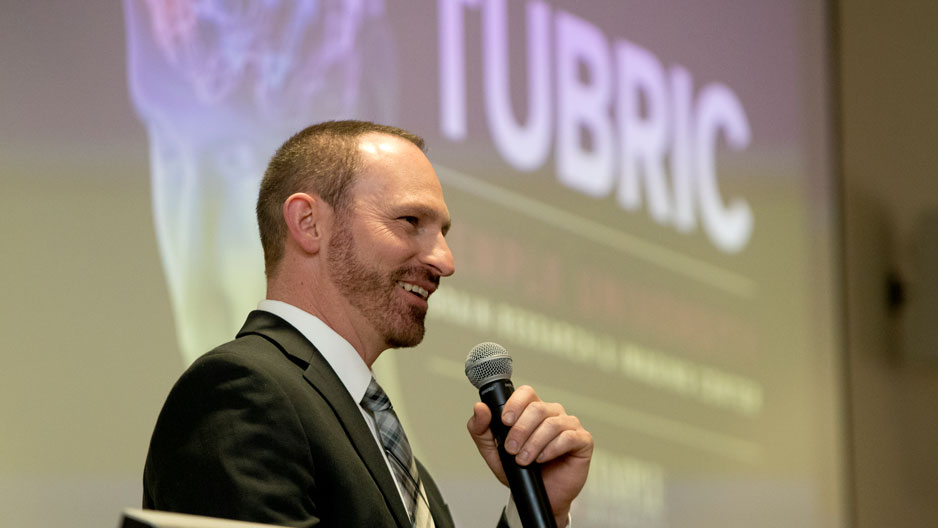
<point x="488" y="368"/>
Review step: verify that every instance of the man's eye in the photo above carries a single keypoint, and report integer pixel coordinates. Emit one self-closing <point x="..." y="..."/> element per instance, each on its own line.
<point x="412" y="220"/>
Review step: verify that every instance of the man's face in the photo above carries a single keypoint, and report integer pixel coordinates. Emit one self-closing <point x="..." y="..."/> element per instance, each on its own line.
<point x="387" y="253"/>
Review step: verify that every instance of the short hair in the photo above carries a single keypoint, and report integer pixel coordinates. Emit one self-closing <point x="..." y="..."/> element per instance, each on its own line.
<point x="321" y="159"/>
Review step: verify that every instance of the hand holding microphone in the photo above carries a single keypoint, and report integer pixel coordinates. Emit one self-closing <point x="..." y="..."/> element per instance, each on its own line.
<point x="526" y="431"/>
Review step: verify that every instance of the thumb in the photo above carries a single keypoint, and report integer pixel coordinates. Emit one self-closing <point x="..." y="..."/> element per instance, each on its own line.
<point x="478" y="427"/>
<point x="479" y="421"/>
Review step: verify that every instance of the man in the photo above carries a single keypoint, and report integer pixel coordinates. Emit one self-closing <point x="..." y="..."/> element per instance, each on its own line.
<point x="281" y="425"/>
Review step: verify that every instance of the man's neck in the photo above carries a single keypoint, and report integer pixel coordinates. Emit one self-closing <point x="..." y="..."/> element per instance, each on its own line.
<point x="340" y="317"/>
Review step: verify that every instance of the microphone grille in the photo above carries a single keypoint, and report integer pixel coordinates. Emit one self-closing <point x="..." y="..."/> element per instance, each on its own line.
<point x="487" y="362"/>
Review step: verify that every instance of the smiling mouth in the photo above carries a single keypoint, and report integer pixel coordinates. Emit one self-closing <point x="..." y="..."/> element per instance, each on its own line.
<point x="414" y="289"/>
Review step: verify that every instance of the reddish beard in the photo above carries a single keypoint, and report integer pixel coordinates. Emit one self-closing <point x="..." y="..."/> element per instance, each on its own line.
<point x="372" y="291"/>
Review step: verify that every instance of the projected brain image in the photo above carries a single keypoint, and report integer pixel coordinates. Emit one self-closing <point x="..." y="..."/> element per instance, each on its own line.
<point x="219" y="85"/>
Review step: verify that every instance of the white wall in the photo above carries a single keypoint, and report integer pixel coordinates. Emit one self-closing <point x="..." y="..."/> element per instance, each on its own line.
<point x="889" y="127"/>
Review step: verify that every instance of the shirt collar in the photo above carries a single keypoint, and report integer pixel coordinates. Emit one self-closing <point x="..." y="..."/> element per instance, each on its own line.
<point x="339" y="353"/>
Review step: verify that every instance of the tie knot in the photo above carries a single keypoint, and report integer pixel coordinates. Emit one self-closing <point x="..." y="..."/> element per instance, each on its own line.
<point x="375" y="399"/>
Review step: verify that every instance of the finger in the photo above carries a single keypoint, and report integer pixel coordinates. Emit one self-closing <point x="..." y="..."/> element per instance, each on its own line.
<point x="573" y="442"/>
<point x="531" y="418"/>
<point x="517" y="402"/>
<point x="546" y="432"/>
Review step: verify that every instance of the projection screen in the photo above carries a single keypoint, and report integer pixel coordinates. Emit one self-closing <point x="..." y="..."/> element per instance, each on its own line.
<point x="643" y="215"/>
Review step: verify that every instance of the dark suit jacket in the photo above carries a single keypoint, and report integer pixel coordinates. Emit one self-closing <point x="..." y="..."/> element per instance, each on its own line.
<point x="261" y="429"/>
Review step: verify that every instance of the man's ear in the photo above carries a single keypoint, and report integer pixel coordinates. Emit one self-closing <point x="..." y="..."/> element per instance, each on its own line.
<point x="306" y="217"/>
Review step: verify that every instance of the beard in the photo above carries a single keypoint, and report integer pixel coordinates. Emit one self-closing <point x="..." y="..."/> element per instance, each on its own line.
<point x="372" y="291"/>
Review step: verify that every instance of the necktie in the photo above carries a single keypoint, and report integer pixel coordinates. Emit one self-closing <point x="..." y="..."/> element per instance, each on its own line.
<point x="399" y="454"/>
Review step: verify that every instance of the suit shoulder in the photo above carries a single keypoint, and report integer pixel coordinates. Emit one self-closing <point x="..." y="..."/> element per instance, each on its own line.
<point x="250" y="367"/>
<point x="246" y="349"/>
<point x="248" y="353"/>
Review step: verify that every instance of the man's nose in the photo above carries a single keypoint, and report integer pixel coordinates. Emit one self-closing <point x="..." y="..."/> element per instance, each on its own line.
<point x="440" y="257"/>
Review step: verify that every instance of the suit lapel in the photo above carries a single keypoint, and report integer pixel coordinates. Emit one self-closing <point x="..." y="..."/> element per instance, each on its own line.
<point x="325" y="381"/>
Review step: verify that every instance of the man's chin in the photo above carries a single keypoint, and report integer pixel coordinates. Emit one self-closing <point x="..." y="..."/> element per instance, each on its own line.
<point x="408" y="340"/>
<point x="410" y="336"/>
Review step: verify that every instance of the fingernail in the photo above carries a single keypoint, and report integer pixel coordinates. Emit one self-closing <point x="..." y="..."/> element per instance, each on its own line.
<point x="508" y="418"/>
<point x="511" y="446"/>
<point x="524" y="457"/>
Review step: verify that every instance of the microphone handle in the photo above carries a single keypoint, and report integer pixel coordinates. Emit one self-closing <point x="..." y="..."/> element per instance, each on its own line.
<point x="526" y="483"/>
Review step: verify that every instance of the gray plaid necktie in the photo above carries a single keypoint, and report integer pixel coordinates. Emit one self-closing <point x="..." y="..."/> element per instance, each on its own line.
<point x="400" y="456"/>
